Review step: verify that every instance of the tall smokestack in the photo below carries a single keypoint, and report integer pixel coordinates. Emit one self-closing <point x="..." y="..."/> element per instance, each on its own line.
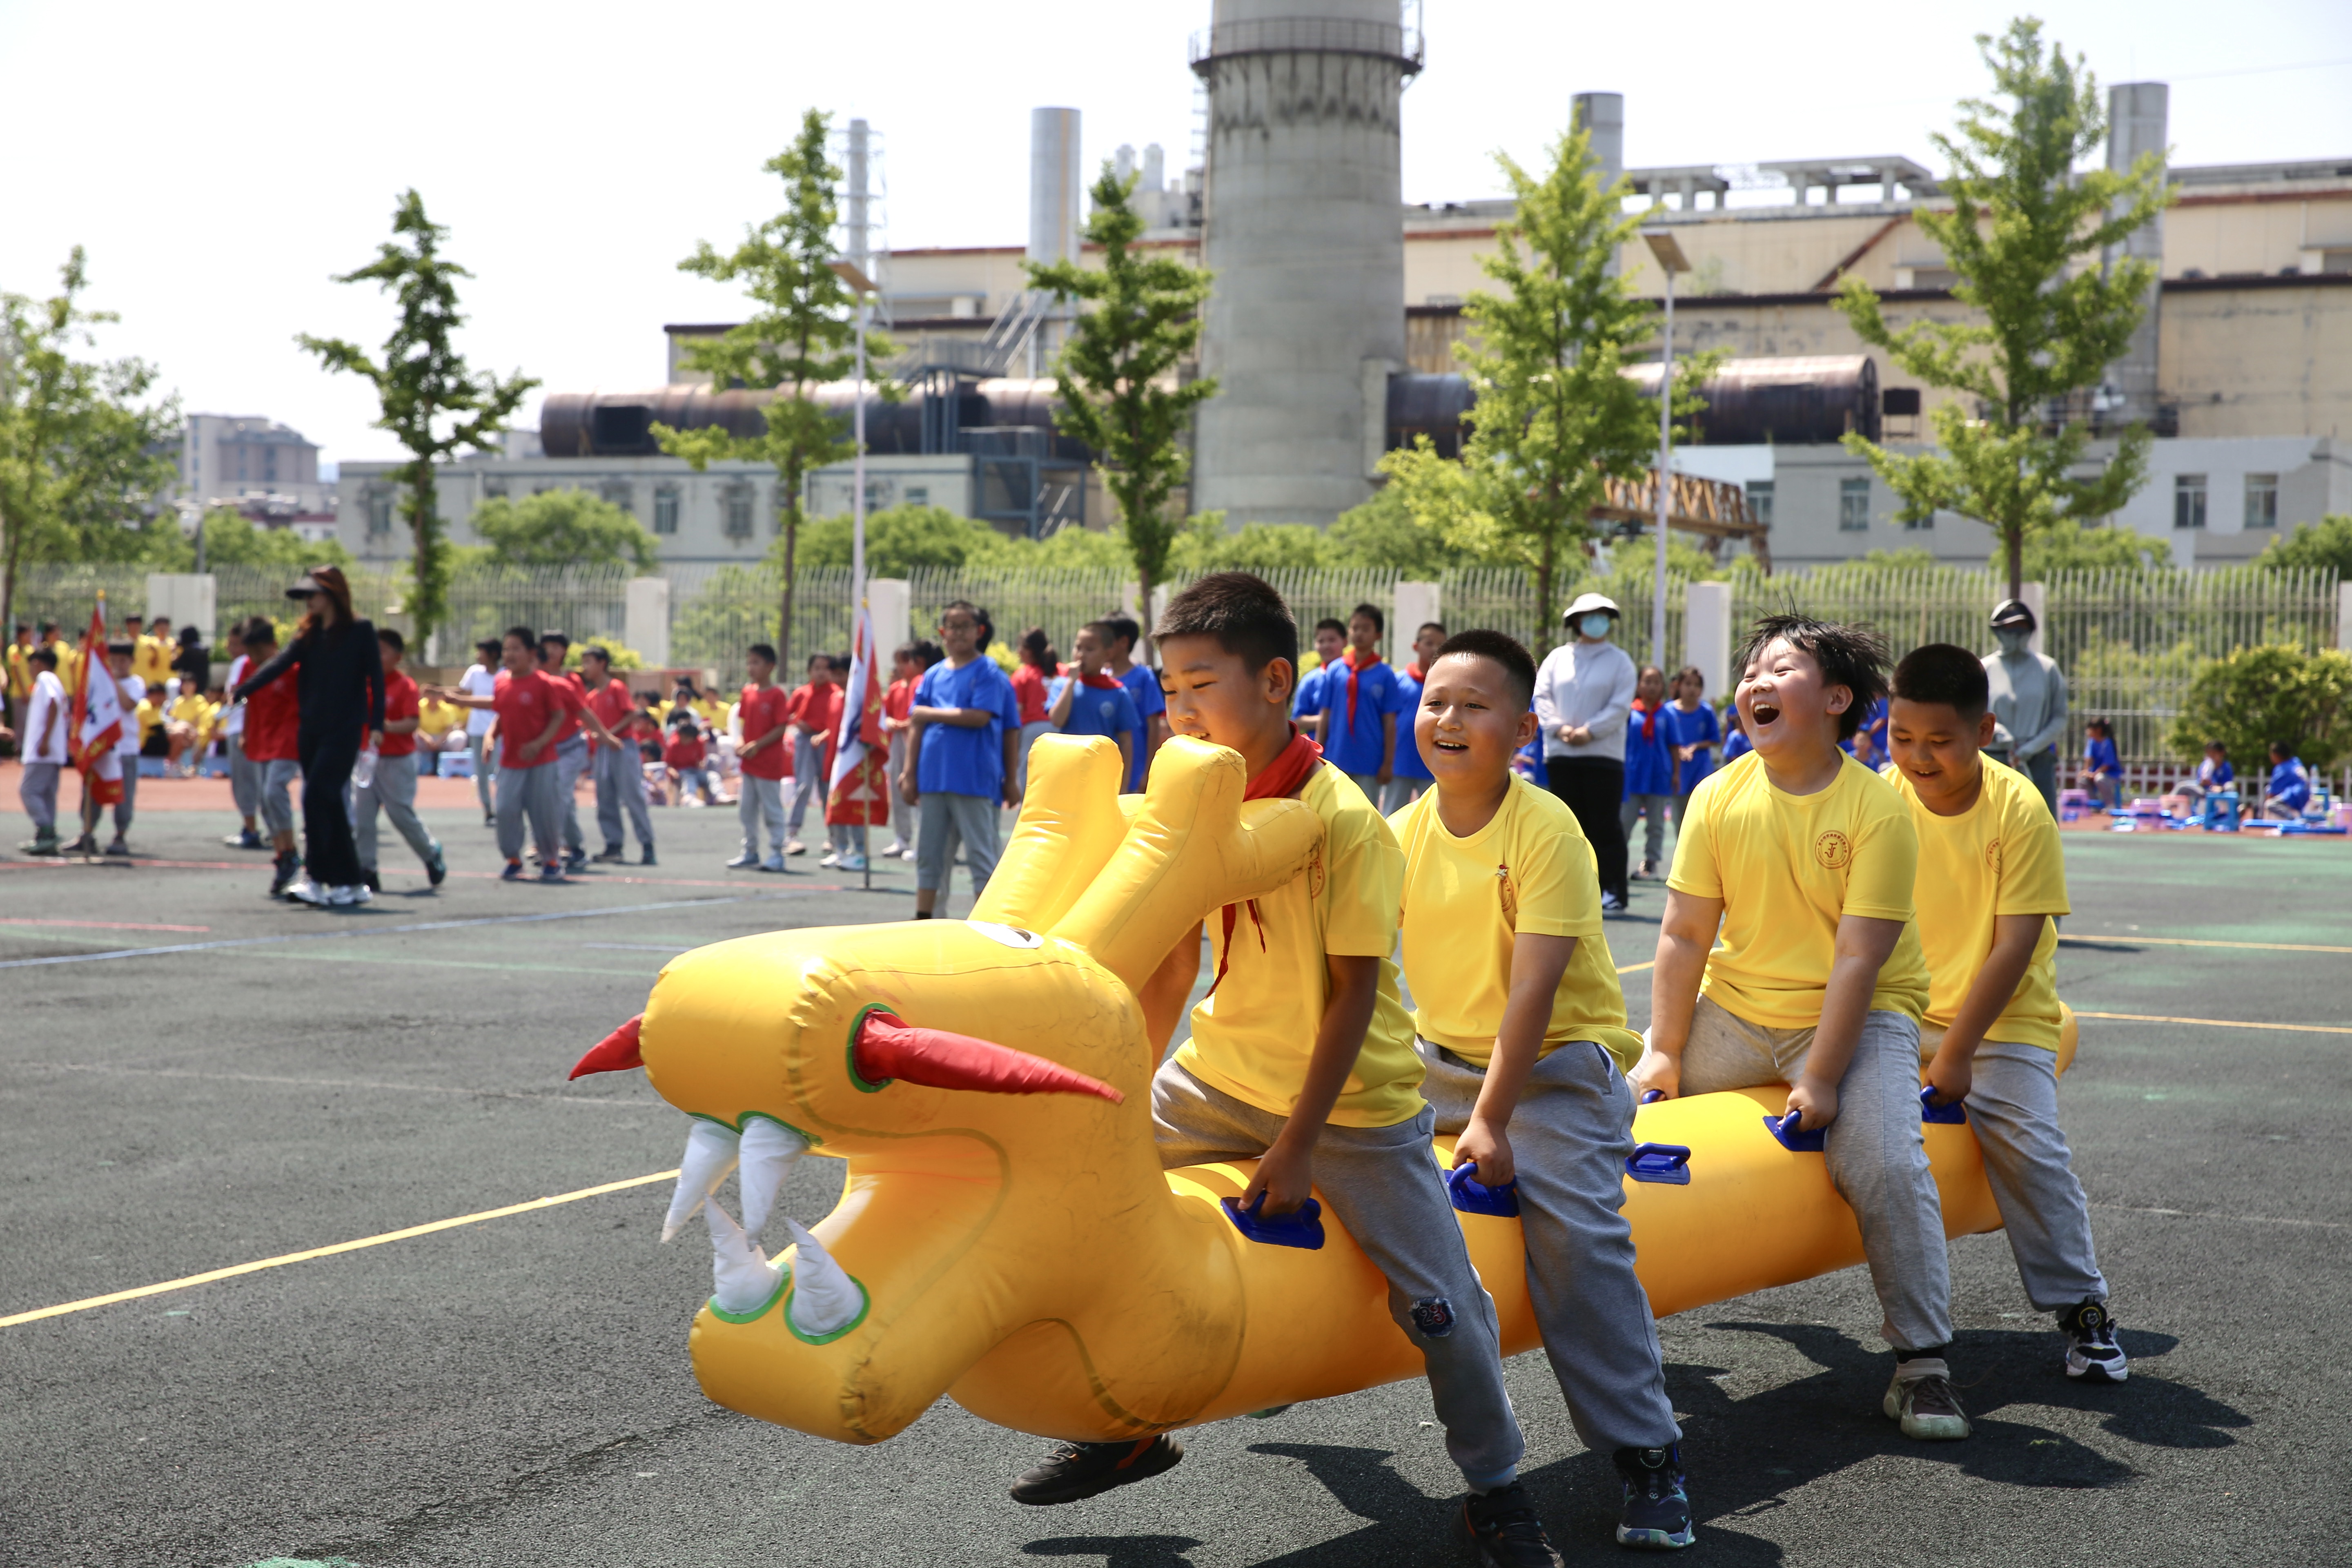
<point x="1056" y="185"/>
<point x="861" y="193"/>
<point x="1603" y="115"/>
<point x="2137" y="112"/>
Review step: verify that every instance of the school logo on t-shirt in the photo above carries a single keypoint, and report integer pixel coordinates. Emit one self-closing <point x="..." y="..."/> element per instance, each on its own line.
<point x="1992" y="857"/>
<point x="1834" y="850"/>
<point x="1510" y="892"/>
<point x="1315" y="873"/>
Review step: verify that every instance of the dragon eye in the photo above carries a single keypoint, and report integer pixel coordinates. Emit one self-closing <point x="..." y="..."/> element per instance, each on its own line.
<point x="1011" y="936"/>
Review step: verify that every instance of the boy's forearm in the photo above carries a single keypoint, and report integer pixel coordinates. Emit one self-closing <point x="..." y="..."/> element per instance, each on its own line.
<point x="1169" y="989"/>
<point x="1845" y="1002"/>
<point x="1995" y="986"/>
<point x="1537" y="964"/>
<point x="1673" y="992"/>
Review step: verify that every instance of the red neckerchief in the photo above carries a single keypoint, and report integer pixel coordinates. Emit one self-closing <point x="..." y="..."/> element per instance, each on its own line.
<point x="1649" y="719"/>
<point x="1102" y="681"/>
<point x="1278" y="780"/>
<point x="1348" y="656"/>
<point x="1414" y="673"/>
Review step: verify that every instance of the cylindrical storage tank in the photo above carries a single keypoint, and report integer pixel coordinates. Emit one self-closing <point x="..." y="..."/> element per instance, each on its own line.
<point x="619" y="424"/>
<point x="1305" y="232"/>
<point x="1797" y="399"/>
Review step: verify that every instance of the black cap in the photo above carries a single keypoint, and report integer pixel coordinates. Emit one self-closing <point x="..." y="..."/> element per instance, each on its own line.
<point x="2012" y="612"/>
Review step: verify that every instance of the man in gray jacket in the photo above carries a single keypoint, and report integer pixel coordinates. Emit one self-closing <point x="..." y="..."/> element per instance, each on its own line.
<point x="2028" y="700"/>
<point x="1583" y="692"/>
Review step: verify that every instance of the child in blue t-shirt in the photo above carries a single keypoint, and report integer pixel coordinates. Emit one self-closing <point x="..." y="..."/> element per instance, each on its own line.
<point x="1360" y="706"/>
<point x="2289" y="790"/>
<point x="1411" y="775"/>
<point x="1649" y="769"/>
<point x="962" y="756"/>
<point x="1693" y="733"/>
<point x="1142" y="684"/>
<point x="2103" y="770"/>
<point x="1868" y="744"/>
<point x="1090" y="701"/>
<point x="1307" y="704"/>
<point x="1735" y="742"/>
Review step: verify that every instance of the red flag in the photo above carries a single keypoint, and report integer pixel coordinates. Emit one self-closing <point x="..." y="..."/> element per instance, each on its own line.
<point x="97" y="718"/>
<point x="860" y="792"/>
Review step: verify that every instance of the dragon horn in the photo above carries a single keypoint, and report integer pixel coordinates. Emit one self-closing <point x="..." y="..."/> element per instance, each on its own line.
<point x="616" y="1052"/>
<point x="888" y="1048"/>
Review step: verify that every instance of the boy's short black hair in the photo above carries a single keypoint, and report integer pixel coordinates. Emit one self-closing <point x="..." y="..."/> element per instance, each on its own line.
<point x="2281" y="750"/>
<point x="1332" y="624"/>
<point x="1502" y="649"/>
<point x="45" y="654"/>
<point x="2216" y="746"/>
<point x="927" y="653"/>
<point x="1437" y="626"/>
<point x="390" y="636"/>
<point x="1125" y="626"/>
<point x="596" y="650"/>
<point x="1242" y="611"/>
<point x="261" y="631"/>
<point x="489" y="646"/>
<point x="522" y="635"/>
<point x="1851" y="654"/>
<point x="556" y="636"/>
<point x="762" y="650"/>
<point x="1372" y="614"/>
<point x="817" y="658"/>
<point x="1939" y="672"/>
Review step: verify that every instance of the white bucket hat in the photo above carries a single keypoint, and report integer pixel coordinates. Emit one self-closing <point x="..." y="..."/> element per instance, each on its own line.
<point x="1586" y="603"/>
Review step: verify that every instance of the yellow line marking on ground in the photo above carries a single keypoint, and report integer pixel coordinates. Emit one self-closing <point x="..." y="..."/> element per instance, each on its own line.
<point x="1629" y="968"/>
<point x="284" y="1258"/>
<point x="2200" y="941"/>
<point x="2220" y="1023"/>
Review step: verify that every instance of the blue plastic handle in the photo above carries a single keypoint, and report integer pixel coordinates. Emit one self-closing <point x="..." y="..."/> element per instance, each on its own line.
<point x="1954" y="1114"/>
<point x="1472" y="1196"/>
<point x="1651" y="1096"/>
<point x="1797" y="1142"/>
<point x="1302" y="1228"/>
<point x="1666" y="1163"/>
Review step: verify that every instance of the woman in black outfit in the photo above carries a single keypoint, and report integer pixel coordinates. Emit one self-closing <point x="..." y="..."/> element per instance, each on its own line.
<point x="194" y="662"/>
<point x="340" y="683"/>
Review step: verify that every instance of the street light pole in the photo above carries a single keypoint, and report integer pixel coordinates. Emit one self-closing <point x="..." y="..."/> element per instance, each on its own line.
<point x="1669" y="253"/>
<point x="850" y="273"/>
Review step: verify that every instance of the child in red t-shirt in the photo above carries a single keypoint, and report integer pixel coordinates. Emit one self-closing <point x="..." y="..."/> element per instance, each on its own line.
<point x="906" y="667"/>
<point x="393" y="789"/>
<point x="685" y="757"/>
<point x="816" y="716"/>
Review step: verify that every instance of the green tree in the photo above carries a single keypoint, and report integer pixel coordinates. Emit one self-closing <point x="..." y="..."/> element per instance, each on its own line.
<point x="800" y="336"/>
<point x="2322" y="546"/>
<point x="233" y="538"/>
<point x="1556" y="419"/>
<point x="427" y="397"/>
<point x="77" y="461"/>
<point x="2024" y="224"/>
<point x="899" y="538"/>
<point x="2069" y="544"/>
<point x="1384" y="533"/>
<point x="1205" y="545"/>
<point x="562" y="528"/>
<point x="2272" y="692"/>
<point x="1116" y="375"/>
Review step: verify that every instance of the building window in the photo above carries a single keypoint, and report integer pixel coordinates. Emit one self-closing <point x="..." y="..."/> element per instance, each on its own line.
<point x="269" y="464"/>
<point x="2262" y="500"/>
<point x="1854" y="506"/>
<point x="494" y="490"/>
<point x="2187" y="500"/>
<point x="738" y="504"/>
<point x="379" y="514"/>
<point x="1759" y="500"/>
<point x="665" y="509"/>
<point x="919" y="495"/>
<point x="620" y="493"/>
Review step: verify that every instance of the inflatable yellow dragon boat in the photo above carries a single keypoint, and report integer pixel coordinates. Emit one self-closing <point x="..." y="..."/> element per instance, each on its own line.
<point x="1006" y="1235"/>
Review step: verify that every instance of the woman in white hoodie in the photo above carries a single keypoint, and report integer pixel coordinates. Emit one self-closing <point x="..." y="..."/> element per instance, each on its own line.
<point x="1583" y="692"/>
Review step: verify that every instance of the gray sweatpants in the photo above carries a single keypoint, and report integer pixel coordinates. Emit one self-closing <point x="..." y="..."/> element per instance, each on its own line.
<point x="2014" y="1105"/>
<point x="244" y="779"/>
<point x="571" y="762"/>
<point x="946" y="819"/>
<point x="529" y="794"/>
<point x="485" y="748"/>
<point x="278" y="778"/>
<point x="1401" y="792"/>
<point x="1383" y="1184"/>
<point x="1654" y="838"/>
<point x="37" y="790"/>
<point x="394" y="789"/>
<point x="808" y="785"/>
<point x="758" y="800"/>
<point x="1369" y="783"/>
<point x="1570" y="1135"/>
<point x="1877" y="1158"/>
<point x="621" y="787"/>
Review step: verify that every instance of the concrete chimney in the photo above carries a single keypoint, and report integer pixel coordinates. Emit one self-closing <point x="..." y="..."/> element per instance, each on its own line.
<point x="2136" y="112"/>
<point x="1056" y="185"/>
<point x="1603" y="115"/>
<point x="858" y="219"/>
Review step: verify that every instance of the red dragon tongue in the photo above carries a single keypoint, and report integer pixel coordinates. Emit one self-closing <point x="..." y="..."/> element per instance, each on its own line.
<point x="616" y="1052"/>
<point x="887" y="1048"/>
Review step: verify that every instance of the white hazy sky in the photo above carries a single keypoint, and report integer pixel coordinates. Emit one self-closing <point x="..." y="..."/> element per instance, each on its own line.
<point x="220" y="161"/>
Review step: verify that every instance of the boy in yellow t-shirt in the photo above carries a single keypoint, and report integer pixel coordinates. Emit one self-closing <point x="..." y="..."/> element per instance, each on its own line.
<point x="1301" y="1057"/>
<point x="1805" y="859"/>
<point x="1522" y="1030"/>
<point x="1990" y="851"/>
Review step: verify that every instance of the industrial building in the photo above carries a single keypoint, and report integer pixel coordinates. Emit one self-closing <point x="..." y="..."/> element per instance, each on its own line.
<point x="1337" y="309"/>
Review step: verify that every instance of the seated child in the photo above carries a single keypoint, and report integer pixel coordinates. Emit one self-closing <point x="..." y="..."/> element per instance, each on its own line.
<point x="689" y="763"/>
<point x="1521" y="1027"/>
<point x="2213" y="774"/>
<point x="187" y="725"/>
<point x="1991" y="877"/>
<point x="2103" y="770"/>
<point x="1301" y="1057"/>
<point x="1649" y="768"/>
<point x="2289" y="790"/>
<point x="1805" y="859"/>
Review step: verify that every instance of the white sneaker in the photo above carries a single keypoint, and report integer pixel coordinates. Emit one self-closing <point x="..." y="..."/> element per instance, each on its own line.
<point x="853" y="863"/>
<point x="832" y="858"/>
<point x="772" y="863"/>
<point x="304" y="891"/>
<point x="341" y="898"/>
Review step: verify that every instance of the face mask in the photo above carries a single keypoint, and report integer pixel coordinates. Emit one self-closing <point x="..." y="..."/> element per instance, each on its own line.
<point x="1595" y="625"/>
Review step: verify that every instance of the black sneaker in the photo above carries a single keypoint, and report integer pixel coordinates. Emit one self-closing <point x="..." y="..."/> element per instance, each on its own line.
<point x="1502" y="1530"/>
<point x="282" y="874"/>
<point x="1656" y="1516"/>
<point x="1078" y="1470"/>
<point x="374" y="883"/>
<point x="437" y="870"/>
<point x="647" y="857"/>
<point x="613" y="855"/>
<point x="2091" y="1354"/>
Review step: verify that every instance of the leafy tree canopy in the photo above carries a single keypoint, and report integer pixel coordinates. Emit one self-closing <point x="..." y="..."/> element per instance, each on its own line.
<point x="2274" y="693"/>
<point x="2071" y="545"/>
<point x="233" y="538"/>
<point x="563" y="528"/>
<point x="2325" y="545"/>
<point x="900" y="539"/>
<point x="1383" y="532"/>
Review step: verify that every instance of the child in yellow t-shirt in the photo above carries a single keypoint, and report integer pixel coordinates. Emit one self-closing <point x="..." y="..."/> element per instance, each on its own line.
<point x="1804" y="859"/>
<point x="1301" y="1056"/>
<point x="1989" y="852"/>
<point x="1521" y="1027"/>
<point x="188" y="721"/>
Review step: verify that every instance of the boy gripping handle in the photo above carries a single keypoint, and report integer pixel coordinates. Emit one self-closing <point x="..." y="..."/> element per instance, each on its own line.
<point x="1990" y="851"/>
<point x="1805" y="859"/>
<point x="1522" y="1030"/>
<point x="1301" y="1056"/>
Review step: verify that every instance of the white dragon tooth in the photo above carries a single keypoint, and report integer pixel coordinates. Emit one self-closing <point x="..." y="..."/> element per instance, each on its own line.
<point x="769" y="1150"/>
<point x="741" y="1278"/>
<point x="709" y="1155"/>
<point x="825" y="1299"/>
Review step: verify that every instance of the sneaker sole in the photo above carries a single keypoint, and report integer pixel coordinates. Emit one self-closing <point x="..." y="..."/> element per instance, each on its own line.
<point x="1925" y="1428"/>
<point x="1656" y="1540"/>
<point x="1156" y="1462"/>
<point x="2082" y="1370"/>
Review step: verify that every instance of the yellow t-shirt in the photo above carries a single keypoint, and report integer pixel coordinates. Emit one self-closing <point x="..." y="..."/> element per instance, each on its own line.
<point x="191" y="710"/>
<point x="68" y="661"/>
<point x="1788" y="867"/>
<point x="1253" y="1034"/>
<point x="435" y="718"/>
<point x="20" y="670"/>
<point x="1465" y="899"/>
<point x="151" y="661"/>
<point x="149" y="719"/>
<point x="2001" y="857"/>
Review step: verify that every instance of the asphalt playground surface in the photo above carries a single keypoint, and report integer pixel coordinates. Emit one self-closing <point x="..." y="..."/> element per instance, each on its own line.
<point x="193" y="1078"/>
